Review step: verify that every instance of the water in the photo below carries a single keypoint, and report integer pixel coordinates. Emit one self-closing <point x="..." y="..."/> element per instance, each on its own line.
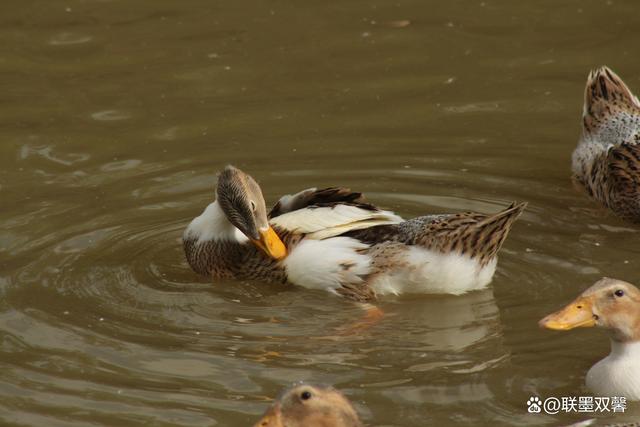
<point x="116" y="115"/>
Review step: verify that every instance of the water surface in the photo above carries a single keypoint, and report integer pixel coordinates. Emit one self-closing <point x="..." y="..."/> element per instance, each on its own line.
<point x="115" y="116"/>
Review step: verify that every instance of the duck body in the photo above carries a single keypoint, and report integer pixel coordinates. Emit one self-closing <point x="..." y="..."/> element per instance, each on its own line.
<point x="613" y="305"/>
<point x="384" y="260"/>
<point x="606" y="162"/>
<point x="618" y="374"/>
<point x="337" y="242"/>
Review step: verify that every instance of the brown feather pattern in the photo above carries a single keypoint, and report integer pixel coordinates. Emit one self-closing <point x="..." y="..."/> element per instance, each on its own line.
<point x="607" y="160"/>
<point x="476" y="235"/>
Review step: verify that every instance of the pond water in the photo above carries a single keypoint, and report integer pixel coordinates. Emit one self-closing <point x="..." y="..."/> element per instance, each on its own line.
<point x="116" y="115"/>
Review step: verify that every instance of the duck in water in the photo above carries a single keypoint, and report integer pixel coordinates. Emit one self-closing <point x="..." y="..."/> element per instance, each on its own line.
<point x="615" y="306"/>
<point x="305" y="405"/>
<point x="606" y="162"/>
<point x="333" y="239"/>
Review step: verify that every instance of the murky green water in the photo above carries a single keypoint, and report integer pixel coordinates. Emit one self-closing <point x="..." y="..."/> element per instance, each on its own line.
<point x="115" y="116"/>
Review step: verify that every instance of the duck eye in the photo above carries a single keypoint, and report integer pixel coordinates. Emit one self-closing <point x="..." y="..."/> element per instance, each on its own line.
<point x="619" y="293"/>
<point x="305" y="395"/>
<point x="253" y="205"/>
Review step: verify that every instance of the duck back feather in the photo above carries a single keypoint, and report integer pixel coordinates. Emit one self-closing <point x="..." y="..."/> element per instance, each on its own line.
<point x="606" y="162"/>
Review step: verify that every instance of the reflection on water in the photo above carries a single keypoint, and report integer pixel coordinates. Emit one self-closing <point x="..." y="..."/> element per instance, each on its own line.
<point x="116" y="116"/>
<point x="447" y="324"/>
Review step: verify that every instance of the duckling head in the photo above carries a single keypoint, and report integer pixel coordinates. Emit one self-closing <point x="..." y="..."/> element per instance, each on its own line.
<point x="610" y="303"/>
<point x="241" y="200"/>
<point x="306" y="405"/>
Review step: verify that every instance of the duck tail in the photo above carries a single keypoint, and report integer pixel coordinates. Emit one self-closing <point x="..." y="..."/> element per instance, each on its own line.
<point x="486" y="237"/>
<point x="607" y="96"/>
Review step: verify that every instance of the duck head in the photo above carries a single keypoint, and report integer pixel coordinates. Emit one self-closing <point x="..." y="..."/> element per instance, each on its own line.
<point x="241" y="200"/>
<point x="610" y="303"/>
<point x="306" y="405"/>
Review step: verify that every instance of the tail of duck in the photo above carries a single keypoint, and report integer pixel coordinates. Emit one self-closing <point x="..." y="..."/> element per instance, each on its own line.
<point x="610" y="110"/>
<point x="491" y="233"/>
<point x="476" y="235"/>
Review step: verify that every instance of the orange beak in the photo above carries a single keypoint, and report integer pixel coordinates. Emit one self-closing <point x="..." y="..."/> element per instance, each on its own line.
<point x="271" y="244"/>
<point x="575" y="315"/>
<point x="271" y="418"/>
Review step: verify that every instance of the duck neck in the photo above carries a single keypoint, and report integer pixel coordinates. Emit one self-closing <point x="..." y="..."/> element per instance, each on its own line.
<point x="625" y="349"/>
<point x="213" y="224"/>
<point x="212" y="245"/>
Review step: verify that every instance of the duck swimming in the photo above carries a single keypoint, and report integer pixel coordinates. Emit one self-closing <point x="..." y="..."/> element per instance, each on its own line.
<point x="606" y="162"/>
<point x="615" y="306"/>
<point x="332" y="239"/>
<point x="305" y="405"/>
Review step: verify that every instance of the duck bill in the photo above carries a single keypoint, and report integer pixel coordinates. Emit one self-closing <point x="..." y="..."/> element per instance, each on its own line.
<point x="578" y="314"/>
<point x="271" y="244"/>
<point x="271" y="418"/>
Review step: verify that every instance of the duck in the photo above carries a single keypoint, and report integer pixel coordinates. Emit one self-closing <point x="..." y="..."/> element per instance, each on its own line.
<point x="606" y="161"/>
<point x="307" y="405"/>
<point x="613" y="305"/>
<point x="333" y="239"/>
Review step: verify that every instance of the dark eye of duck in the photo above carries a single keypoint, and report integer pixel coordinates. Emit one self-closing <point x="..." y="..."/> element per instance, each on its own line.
<point x="253" y="205"/>
<point x="619" y="293"/>
<point x="305" y="395"/>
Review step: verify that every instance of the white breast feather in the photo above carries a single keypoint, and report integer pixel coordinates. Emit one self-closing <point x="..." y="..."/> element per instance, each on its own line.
<point x="429" y="272"/>
<point x="213" y="224"/>
<point x="617" y="374"/>
<point x="326" y="264"/>
<point x="324" y="222"/>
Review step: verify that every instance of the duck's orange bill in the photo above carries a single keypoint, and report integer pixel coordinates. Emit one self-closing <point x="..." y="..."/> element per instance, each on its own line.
<point x="271" y="244"/>
<point x="575" y="315"/>
<point x="271" y="418"/>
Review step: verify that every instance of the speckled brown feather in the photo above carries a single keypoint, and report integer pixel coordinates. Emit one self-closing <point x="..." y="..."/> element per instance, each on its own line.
<point x="227" y="259"/>
<point x="605" y="96"/>
<point x="476" y="235"/>
<point x="607" y="160"/>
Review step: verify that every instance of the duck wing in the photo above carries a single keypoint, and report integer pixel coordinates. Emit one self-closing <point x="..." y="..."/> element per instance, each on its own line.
<point x="328" y="212"/>
<point x="312" y="197"/>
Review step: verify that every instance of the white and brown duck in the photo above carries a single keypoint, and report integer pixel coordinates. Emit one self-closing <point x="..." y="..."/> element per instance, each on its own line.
<point x="306" y="405"/>
<point x="615" y="306"/>
<point x="333" y="239"/>
<point x="606" y="162"/>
